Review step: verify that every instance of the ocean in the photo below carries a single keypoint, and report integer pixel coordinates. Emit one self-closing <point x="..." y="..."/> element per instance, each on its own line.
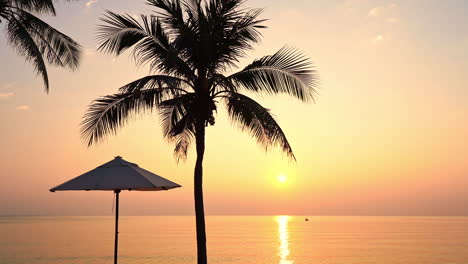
<point x="236" y="239"/>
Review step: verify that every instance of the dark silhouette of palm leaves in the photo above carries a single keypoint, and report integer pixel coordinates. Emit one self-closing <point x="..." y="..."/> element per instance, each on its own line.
<point x="36" y="40"/>
<point x="191" y="44"/>
<point x="287" y="71"/>
<point x="256" y="119"/>
<point x="150" y="42"/>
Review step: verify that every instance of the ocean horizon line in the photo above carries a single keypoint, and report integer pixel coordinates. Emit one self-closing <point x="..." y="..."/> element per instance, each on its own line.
<point x="233" y="215"/>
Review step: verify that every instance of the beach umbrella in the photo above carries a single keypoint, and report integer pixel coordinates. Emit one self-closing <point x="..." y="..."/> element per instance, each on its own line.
<point x="117" y="175"/>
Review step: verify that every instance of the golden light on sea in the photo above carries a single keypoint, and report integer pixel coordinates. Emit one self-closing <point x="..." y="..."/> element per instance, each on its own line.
<point x="283" y="235"/>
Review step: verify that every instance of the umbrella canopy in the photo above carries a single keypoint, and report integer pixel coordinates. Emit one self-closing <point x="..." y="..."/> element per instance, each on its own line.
<point x="117" y="174"/>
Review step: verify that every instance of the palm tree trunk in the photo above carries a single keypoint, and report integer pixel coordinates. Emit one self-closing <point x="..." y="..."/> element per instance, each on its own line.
<point x="198" y="193"/>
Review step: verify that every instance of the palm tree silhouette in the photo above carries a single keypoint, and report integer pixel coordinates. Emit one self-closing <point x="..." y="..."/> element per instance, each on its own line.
<point x="190" y="45"/>
<point x="36" y="40"/>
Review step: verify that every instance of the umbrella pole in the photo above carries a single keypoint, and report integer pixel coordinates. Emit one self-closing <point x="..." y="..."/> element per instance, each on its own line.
<point x="116" y="224"/>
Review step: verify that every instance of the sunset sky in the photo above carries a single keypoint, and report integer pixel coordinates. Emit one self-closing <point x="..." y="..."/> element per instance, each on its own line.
<point x="386" y="136"/>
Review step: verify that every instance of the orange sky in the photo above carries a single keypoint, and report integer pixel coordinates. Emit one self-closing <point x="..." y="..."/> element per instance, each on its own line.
<point x="386" y="136"/>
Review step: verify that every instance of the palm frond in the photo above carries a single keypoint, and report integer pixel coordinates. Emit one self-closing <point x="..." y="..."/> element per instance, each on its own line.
<point x="119" y="33"/>
<point x="213" y="35"/>
<point x="149" y="41"/>
<point x="174" y="85"/>
<point x="257" y="120"/>
<point x="182" y="145"/>
<point x="177" y="115"/>
<point x="222" y="84"/>
<point x="58" y="48"/>
<point x="23" y="42"/>
<point x="109" y="113"/>
<point x="171" y="13"/>
<point x="220" y="8"/>
<point x="177" y="118"/>
<point x="231" y="32"/>
<point x="37" y="6"/>
<point x="287" y="71"/>
<point x="241" y="34"/>
<point x="192" y="8"/>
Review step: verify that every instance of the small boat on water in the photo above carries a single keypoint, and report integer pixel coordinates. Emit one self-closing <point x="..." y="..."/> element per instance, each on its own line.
<point x="307" y="219"/>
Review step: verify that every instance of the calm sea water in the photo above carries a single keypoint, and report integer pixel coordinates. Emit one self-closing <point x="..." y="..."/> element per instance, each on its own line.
<point x="237" y="239"/>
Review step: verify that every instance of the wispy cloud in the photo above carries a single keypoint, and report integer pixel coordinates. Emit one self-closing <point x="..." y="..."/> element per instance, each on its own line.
<point x="377" y="39"/>
<point x="4" y="96"/>
<point x="23" y="107"/>
<point x="374" y="12"/>
<point x="382" y="10"/>
<point x="90" y="3"/>
<point x="382" y="16"/>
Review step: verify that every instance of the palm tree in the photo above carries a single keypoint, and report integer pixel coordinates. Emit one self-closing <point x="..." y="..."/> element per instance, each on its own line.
<point x="190" y="46"/>
<point x="36" y="40"/>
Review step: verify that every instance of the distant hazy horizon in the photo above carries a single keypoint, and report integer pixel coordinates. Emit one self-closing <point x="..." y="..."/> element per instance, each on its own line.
<point x="295" y="215"/>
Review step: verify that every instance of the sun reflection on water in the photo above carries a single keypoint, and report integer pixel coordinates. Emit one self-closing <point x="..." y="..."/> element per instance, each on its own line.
<point x="283" y="234"/>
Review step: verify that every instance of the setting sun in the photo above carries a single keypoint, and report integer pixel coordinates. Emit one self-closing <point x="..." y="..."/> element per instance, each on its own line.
<point x="282" y="178"/>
